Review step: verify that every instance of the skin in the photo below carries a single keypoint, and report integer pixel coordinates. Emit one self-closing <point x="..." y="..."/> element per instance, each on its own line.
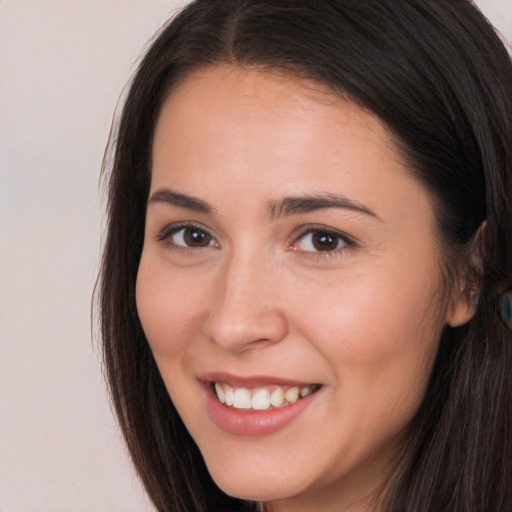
<point x="259" y="298"/>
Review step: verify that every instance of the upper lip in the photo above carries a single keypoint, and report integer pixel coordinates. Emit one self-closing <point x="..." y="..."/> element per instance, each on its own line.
<point x="251" y="381"/>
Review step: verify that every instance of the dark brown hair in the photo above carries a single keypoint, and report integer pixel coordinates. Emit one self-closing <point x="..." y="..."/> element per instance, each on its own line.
<point x="439" y="77"/>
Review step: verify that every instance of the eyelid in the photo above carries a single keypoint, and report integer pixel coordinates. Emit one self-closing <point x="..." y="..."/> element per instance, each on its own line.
<point x="173" y="228"/>
<point x="348" y="241"/>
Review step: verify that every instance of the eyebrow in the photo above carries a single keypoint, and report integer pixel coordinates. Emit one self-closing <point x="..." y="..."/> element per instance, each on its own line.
<point x="181" y="200"/>
<point x="280" y="208"/>
<point x="310" y="203"/>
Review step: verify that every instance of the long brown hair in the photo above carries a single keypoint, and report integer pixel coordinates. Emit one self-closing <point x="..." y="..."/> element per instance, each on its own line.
<point x="441" y="80"/>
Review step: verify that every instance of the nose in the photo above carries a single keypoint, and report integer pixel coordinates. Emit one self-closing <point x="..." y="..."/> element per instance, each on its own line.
<point x="248" y="307"/>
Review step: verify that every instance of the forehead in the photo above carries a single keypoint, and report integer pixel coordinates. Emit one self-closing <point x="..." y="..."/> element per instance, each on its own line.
<point x="264" y="110"/>
<point x="211" y="89"/>
<point x="259" y="135"/>
<point x="277" y="88"/>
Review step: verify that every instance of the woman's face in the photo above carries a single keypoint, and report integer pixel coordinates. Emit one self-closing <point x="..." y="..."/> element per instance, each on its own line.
<point x="288" y="251"/>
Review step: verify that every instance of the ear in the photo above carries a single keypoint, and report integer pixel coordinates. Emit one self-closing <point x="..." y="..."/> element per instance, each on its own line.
<point x="461" y="310"/>
<point x="462" y="306"/>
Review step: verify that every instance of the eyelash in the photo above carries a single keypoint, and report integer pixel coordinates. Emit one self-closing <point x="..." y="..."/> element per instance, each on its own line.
<point x="172" y="229"/>
<point x="347" y="242"/>
<point x="342" y="239"/>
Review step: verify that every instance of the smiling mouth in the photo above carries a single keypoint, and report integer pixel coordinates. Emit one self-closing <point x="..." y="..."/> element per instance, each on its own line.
<point x="263" y="398"/>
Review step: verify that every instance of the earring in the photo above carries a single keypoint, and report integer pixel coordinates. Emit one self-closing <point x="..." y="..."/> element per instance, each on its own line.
<point x="504" y="308"/>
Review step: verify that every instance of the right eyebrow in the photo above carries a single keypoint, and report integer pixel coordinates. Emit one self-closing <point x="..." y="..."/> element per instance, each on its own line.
<point x="174" y="198"/>
<point x="311" y="203"/>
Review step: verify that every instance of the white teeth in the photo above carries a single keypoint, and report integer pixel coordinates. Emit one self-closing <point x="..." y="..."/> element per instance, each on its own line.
<point x="292" y="395"/>
<point x="242" y="398"/>
<point x="277" y="397"/>
<point x="305" y="391"/>
<point x="261" y="400"/>
<point x="230" y="396"/>
<point x="220" y="393"/>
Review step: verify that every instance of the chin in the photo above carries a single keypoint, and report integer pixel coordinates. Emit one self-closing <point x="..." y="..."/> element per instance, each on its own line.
<point x="255" y="488"/>
<point x="256" y="481"/>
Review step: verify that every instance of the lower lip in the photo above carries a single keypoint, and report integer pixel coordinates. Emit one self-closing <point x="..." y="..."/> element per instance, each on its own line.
<point x="252" y="423"/>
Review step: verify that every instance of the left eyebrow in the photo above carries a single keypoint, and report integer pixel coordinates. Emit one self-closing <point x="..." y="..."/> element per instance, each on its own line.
<point x="309" y="203"/>
<point x="175" y="198"/>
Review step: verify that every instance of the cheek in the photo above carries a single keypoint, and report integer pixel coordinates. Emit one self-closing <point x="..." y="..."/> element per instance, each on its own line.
<point x="165" y="314"/>
<point x="380" y="345"/>
<point x="378" y="330"/>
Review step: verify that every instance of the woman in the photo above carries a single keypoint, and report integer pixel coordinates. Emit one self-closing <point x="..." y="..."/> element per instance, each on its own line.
<point x="309" y="232"/>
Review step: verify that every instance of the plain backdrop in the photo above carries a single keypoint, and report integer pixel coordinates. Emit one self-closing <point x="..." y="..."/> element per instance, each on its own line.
<point x="63" y="65"/>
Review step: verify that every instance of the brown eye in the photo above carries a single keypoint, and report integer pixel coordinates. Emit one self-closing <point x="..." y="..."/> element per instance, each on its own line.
<point x="191" y="237"/>
<point x="322" y="241"/>
<point x="194" y="237"/>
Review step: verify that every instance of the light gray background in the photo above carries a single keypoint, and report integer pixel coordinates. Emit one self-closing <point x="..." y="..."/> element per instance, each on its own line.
<point x="63" y="65"/>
